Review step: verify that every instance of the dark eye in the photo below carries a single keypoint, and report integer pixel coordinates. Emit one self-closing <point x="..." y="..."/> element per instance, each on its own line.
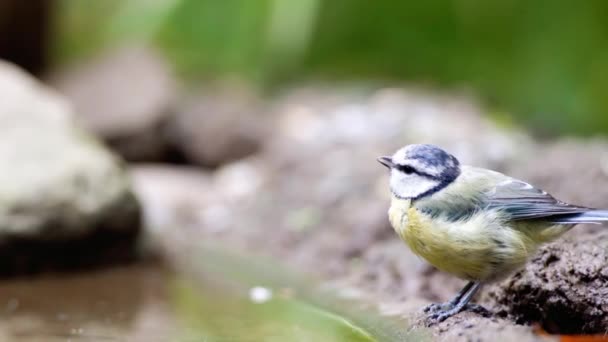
<point x="406" y="169"/>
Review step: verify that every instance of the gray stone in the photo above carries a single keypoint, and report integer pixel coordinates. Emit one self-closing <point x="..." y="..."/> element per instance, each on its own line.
<point x="124" y="97"/>
<point x="217" y="126"/>
<point x="171" y="195"/>
<point x="58" y="186"/>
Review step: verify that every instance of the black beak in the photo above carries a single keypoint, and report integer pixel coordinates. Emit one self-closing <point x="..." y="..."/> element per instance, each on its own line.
<point x="386" y="161"/>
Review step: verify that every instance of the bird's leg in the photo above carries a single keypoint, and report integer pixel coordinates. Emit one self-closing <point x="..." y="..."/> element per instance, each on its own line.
<point x="462" y="293"/>
<point x="435" y="307"/>
<point x="462" y="302"/>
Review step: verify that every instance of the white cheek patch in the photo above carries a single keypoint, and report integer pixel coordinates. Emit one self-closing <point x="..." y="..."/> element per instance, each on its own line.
<point x="410" y="186"/>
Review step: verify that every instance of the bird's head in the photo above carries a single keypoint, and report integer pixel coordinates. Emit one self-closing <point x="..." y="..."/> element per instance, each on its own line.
<point x="420" y="170"/>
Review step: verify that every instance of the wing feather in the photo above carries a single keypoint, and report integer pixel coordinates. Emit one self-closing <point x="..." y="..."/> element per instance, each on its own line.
<point x="481" y="189"/>
<point x="522" y="201"/>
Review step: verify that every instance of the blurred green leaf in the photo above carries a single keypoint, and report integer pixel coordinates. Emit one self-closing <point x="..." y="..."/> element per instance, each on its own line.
<point x="544" y="61"/>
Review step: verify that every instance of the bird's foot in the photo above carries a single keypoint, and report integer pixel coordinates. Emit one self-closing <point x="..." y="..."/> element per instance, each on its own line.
<point x="440" y="316"/>
<point x="438" y="307"/>
<point x="440" y="312"/>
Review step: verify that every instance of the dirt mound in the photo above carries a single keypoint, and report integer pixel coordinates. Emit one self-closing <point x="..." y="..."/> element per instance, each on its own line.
<point x="564" y="288"/>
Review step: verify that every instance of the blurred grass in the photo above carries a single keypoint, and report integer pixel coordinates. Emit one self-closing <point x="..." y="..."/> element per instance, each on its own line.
<point x="213" y="301"/>
<point x="227" y="318"/>
<point x="545" y="61"/>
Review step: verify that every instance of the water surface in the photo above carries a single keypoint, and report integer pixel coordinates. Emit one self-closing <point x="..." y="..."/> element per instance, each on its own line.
<point x="149" y="303"/>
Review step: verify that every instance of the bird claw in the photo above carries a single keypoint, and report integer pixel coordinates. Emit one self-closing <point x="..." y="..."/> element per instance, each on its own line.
<point x="438" y="317"/>
<point x="437" y="307"/>
<point x="441" y="312"/>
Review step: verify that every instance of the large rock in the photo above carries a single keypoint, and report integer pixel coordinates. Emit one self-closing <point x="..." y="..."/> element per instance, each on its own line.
<point x="124" y="97"/>
<point x="218" y="126"/>
<point x="64" y="199"/>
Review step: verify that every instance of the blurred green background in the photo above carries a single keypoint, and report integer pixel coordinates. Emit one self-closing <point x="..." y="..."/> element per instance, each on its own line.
<point x="545" y="63"/>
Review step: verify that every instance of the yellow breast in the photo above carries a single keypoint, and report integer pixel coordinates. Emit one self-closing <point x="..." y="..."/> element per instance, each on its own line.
<point x="479" y="248"/>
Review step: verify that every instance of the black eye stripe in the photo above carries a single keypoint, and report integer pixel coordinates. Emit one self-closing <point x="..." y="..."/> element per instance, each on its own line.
<point x="406" y="169"/>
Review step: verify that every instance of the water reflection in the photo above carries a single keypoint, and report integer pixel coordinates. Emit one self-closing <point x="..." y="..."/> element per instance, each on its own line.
<point x="149" y="303"/>
<point x="276" y="319"/>
<point x="119" y="304"/>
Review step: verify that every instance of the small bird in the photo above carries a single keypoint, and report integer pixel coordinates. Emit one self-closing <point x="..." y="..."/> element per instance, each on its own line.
<point x="477" y="224"/>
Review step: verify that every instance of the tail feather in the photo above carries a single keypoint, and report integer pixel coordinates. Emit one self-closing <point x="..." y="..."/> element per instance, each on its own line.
<point x="591" y="216"/>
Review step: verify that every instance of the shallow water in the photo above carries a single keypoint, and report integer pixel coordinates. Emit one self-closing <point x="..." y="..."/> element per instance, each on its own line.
<point x="149" y="303"/>
<point x="118" y="304"/>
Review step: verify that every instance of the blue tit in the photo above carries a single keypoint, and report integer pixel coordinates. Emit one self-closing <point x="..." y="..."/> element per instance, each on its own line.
<point x="477" y="224"/>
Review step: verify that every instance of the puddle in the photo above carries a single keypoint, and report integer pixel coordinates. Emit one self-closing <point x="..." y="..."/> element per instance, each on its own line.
<point x="207" y="318"/>
<point x="118" y="304"/>
<point x="148" y="303"/>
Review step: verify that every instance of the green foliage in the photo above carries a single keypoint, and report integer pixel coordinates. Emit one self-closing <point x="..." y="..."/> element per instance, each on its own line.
<point x="79" y="27"/>
<point x="217" y="37"/>
<point x="546" y="61"/>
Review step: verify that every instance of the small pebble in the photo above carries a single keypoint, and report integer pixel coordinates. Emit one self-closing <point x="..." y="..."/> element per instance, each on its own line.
<point x="260" y="294"/>
<point x="12" y="305"/>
